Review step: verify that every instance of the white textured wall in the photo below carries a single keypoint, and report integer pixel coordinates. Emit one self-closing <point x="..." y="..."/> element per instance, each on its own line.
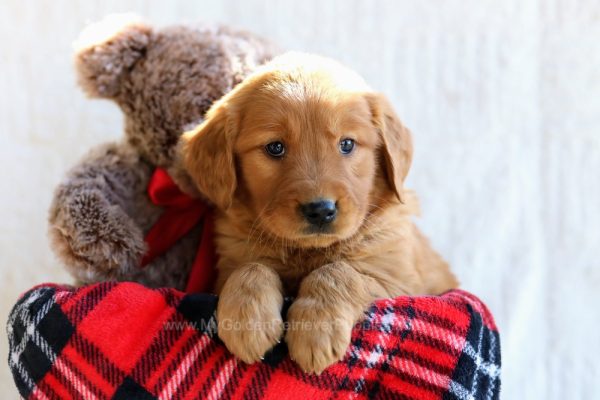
<point x="503" y="98"/>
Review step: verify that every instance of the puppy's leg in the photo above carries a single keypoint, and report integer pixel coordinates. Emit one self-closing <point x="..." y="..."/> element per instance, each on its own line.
<point x="249" y="311"/>
<point x="330" y="301"/>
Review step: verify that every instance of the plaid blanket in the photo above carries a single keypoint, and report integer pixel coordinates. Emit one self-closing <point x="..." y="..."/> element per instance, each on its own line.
<point x="125" y="341"/>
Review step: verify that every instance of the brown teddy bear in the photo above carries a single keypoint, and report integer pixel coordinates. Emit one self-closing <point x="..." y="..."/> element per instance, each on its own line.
<point x="164" y="80"/>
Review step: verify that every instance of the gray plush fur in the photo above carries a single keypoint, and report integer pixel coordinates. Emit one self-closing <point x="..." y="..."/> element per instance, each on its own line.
<point x="163" y="80"/>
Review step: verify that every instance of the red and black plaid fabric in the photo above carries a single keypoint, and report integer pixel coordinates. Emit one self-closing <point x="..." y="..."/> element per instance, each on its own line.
<point x="125" y="341"/>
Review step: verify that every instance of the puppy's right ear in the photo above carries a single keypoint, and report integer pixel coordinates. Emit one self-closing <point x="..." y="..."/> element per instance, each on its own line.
<point x="106" y="51"/>
<point x="206" y="153"/>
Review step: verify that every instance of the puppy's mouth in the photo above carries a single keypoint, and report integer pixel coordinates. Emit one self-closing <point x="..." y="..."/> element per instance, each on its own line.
<point x="308" y="235"/>
<point x="315" y="239"/>
<point x="318" y="236"/>
<point x="319" y="230"/>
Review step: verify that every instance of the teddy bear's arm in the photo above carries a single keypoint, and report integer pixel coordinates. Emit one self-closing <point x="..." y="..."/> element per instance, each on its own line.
<point x="99" y="213"/>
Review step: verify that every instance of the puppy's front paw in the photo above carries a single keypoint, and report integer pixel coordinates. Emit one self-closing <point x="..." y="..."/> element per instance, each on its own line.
<point x="249" y="313"/>
<point x="249" y="329"/>
<point x="317" y="336"/>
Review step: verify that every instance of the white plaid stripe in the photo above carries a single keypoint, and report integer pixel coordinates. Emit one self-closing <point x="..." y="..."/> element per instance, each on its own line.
<point x="374" y="357"/>
<point x="388" y="319"/>
<point x="23" y="374"/>
<point x="371" y="358"/>
<point x="32" y="333"/>
<point x="184" y="367"/>
<point x="470" y="351"/>
<point x="81" y="387"/>
<point x="411" y="367"/>
<point x="384" y="323"/>
<point x="459" y="391"/>
<point x="221" y="380"/>
<point x="436" y="332"/>
<point x="21" y="312"/>
<point x="38" y="394"/>
<point x="490" y="368"/>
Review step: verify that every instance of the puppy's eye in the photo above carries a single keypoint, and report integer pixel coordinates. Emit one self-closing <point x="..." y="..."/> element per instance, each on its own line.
<point x="275" y="149"/>
<point x="346" y="146"/>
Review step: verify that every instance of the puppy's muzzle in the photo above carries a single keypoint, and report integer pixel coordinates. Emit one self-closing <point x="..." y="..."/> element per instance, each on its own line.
<point x="319" y="213"/>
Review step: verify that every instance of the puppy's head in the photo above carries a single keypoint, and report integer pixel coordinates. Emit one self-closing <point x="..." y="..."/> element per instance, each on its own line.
<point x="306" y="145"/>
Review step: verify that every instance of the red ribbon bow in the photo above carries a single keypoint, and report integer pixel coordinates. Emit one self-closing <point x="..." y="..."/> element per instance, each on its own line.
<point x="181" y="214"/>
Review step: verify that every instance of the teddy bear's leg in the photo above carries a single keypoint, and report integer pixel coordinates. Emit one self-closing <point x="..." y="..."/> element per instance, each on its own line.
<point x="93" y="215"/>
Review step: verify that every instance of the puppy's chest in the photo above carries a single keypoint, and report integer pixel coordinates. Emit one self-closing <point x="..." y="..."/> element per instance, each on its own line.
<point x="293" y="265"/>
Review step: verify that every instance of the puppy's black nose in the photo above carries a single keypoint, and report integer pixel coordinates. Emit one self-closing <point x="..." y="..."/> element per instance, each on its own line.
<point x="319" y="212"/>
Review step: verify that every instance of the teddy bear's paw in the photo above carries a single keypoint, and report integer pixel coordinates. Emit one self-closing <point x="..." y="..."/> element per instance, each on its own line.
<point x="99" y="234"/>
<point x="248" y="328"/>
<point x="317" y="335"/>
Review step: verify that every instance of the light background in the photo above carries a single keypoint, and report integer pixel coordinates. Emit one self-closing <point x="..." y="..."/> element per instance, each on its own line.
<point x="503" y="98"/>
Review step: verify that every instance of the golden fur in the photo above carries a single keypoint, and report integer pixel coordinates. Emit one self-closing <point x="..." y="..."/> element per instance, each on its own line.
<point x="373" y="249"/>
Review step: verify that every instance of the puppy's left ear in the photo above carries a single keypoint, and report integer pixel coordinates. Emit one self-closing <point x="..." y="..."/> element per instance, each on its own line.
<point x="206" y="153"/>
<point x="396" y="141"/>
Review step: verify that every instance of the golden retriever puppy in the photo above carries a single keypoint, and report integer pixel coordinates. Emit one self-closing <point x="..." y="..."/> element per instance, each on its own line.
<point x="305" y="164"/>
